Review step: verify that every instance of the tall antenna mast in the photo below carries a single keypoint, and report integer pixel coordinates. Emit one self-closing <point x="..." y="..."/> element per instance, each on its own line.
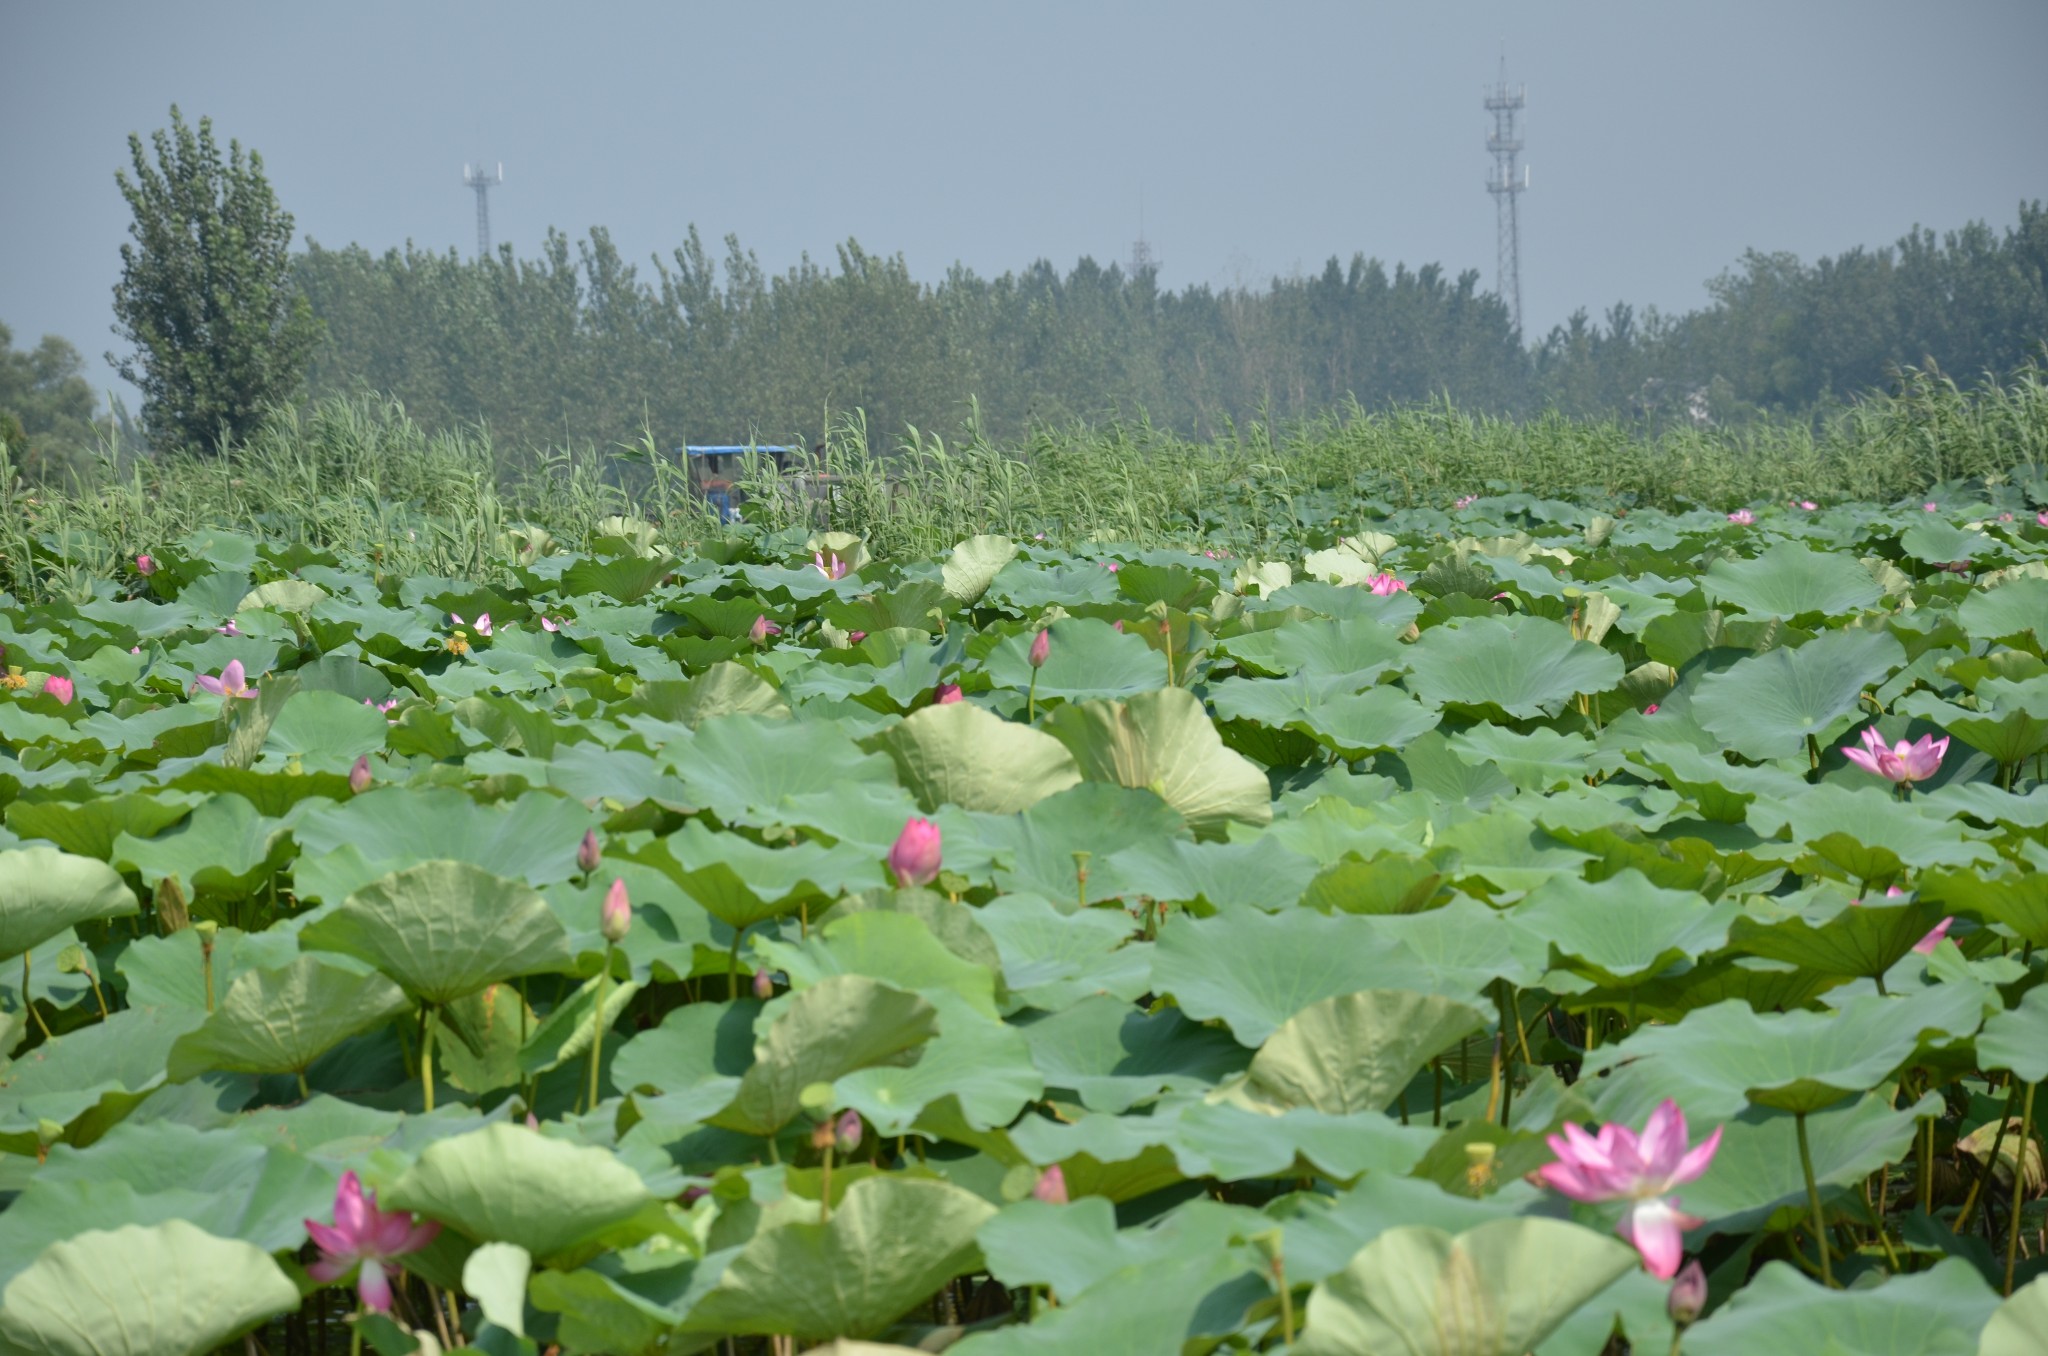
<point x="1143" y="260"/>
<point x="482" y="180"/>
<point x="1505" y="103"/>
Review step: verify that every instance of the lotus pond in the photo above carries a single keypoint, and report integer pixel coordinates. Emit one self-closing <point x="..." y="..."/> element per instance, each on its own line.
<point x="1497" y="928"/>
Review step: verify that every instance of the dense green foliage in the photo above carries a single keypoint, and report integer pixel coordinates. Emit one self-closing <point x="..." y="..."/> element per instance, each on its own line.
<point x="580" y="344"/>
<point x="221" y="336"/>
<point x="46" y="406"/>
<point x="1288" y="904"/>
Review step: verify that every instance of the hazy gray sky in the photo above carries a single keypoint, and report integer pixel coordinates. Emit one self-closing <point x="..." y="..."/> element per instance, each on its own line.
<point x="1664" y="138"/>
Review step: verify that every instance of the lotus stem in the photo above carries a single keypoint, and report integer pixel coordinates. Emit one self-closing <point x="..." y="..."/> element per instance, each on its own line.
<point x="28" y="1000"/>
<point x="597" y="1024"/>
<point x="1286" y="1300"/>
<point x="2012" y="1098"/>
<point x="305" y="1093"/>
<point x="427" y="1059"/>
<point x="1031" y="699"/>
<point x="2019" y="1185"/>
<point x="732" y="967"/>
<point x="1814" y="1216"/>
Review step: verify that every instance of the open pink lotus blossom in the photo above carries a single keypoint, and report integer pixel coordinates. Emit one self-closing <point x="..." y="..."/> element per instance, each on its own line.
<point x="230" y="629"/>
<point x="483" y="622"/>
<point x="550" y="624"/>
<point x="762" y="629"/>
<point x="1808" y="505"/>
<point x="60" y="688"/>
<point x="1616" y="1165"/>
<point x="1925" y="946"/>
<point x="1384" y="584"/>
<point x="945" y="694"/>
<point x="915" y="857"/>
<point x="834" y="569"/>
<point x="1467" y="502"/>
<point x="233" y="681"/>
<point x="2042" y="518"/>
<point x="145" y="565"/>
<point x="362" y="1235"/>
<point x="1742" y="517"/>
<point x="1929" y="507"/>
<point x="1904" y="762"/>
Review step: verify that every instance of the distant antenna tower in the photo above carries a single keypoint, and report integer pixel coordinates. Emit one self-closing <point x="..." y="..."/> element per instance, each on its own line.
<point x="1505" y="103"/>
<point x="482" y="180"/>
<point x="1142" y="257"/>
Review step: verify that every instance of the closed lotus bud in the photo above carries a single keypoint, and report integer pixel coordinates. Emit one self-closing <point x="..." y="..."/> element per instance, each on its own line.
<point x="847" y="1131"/>
<point x="945" y="694"/>
<point x="1051" y="1186"/>
<point x="588" y="853"/>
<point x="1041" y="648"/>
<point x="764" y="985"/>
<point x="1688" y="1294"/>
<point x="144" y="565"/>
<point x="616" y="917"/>
<point x="762" y="629"/>
<point x="359" y="775"/>
<point x="915" y="857"/>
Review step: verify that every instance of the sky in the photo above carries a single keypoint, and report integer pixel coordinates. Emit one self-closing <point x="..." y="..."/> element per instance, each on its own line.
<point x="1256" y="139"/>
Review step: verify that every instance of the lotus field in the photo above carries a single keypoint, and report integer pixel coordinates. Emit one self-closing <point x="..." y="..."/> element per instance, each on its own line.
<point x="1486" y="929"/>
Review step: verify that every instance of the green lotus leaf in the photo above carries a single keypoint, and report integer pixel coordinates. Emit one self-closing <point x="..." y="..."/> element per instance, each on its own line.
<point x="1937" y="1311"/>
<point x="89" y="828"/>
<point x="2019" y="902"/>
<point x="1622" y="930"/>
<point x="1390" y="882"/>
<point x="1163" y="741"/>
<point x="174" y="971"/>
<point x="746" y="768"/>
<point x="2018" y="1327"/>
<point x="1769" y="705"/>
<point x="819" y="1034"/>
<point x="1463" y="946"/>
<point x="1864" y="939"/>
<point x="224" y="848"/>
<point x="1789" y="581"/>
<point x="344" y="847"/>
<point x="327" y="729"/>
<point x="1495" y="1289"/>
<point x="1051" y="959"/>
<point x="44" y="891"/>
<point x="1355" y="1052"/>
<point x="1525" y="666"/>
<point x="2008" y="612"/>
<point x="962" y="754"/>
<point x="1328" y="711"/>
<point x="741" y="883"/>
<point x="1538" y="760"/>
<point x="1075" y="1248"/>
<point x="723" y="689"/>
<point x="282" y="595"/>
<point x="984" y="1064"/>
<point x="495" y="1277"/>
<point x="1114" y="1057"/>
<point x="1136" y="1311"/>
<point x="280" y="1021"/>
<point x="2017" y="1039"/>
<point x="1088" y="659"/>
<point x="565" y="1195"/>
<point x="973" y="566"/>
<point x="444" y="930"/>
<point x="1755" y="1181"/>
<point x="890" y="1243"/>
<point x="1356" y="649"/>
<point x="626" y="578"/>
<point x="167" y="1289"/>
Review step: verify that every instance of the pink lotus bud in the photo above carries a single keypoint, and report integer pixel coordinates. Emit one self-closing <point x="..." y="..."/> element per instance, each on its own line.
<point x="60" y="688"/>
<point x="617" y="915"/>
<point x="1929" y="506"/>
<point x="532" y="1121"/>
<point x="915" y="857"/>
<point x="945" y="694"/>
<point x="1688" y="1294"/>
<point x="764" y="985"/>
<point x="762" y="629"/>
<point x="1925" y="946"/>
<point x="1742" y="517"/>
<point x="1117" y="626"/>
<point x="550" y="624"/>
<point x="1112" y="566"/>
<point x="588" y="853"/>
<point x="1051" y="1186"/>
<point x="1650" y="710"/>
<point x="855" y="637"/>
<point x="847" y="1131"/>
<point x="359" y="775"/>
<point x="1041" y="649"/>
<point x="144" y="565"/>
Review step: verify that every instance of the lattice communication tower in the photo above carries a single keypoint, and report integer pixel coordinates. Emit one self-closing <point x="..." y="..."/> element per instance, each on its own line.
<point x="483" y="180"/>
<point x="1508" y="182"/>
<point x="1143" y="260"/>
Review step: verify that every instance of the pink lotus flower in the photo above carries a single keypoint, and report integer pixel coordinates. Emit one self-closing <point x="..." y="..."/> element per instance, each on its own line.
<point x="1650" y="710"/>
<point x="1808" y="505"/>
<point x="145" y="566"/>
<point x="359" y="776"/>
<point x="1742" y="517"/>
<point x="615" y="916"/>
<point x="550" y="624"/>
<point x="230" y="629"/>
<point x="855" y="637"/>
<point x="60" y="688"/>
<point x="1616" y="1165"/>
<point x="1385" y="584"/>
<point x="1688" y="1295"/>
<point x="2005" y="517"/>
<point x="1925" y="946"/>
<point x="362" y="1235"/>
<point x="2042" y="518"/>
<point x="835" y="569"/>
<point x="1112" y="565"/>
<point x="1051" y="1186"/>
<point x="1467" y="502"/>
<point x="1906" y="763"/>
<point x="383" y="707"/>
<point x="764" y="985"/>
<point x="762" y="629"/>
<point x="483" y="623"/>
<point x="945" y="694"/>
<point x="1041" y="648"/>
<point x="1928" y="507"/>
<point x="1117" y="626"/>
<point x="846" y="1131"/>
<point x="589" y="852"/>
<point x="915" y="857"/>
<point x="233" y="681"/>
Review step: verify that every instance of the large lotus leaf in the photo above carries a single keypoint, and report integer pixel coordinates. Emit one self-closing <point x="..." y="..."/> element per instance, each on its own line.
<point x="1867" y="833"/>
<point x="1052" y="959"/>
<point x="741" y="883"/>
<point x="746" y="768"/>
<point x="89" y="1079"/>
<point x="2019" y="1327"/>
<point x="2008" y="611"/>
<point x="1463" y="946"/>
<point x="2020" y="902"/>
<point x="596" y="775"/>
<point x="723" y="689"/>
<point x="1526" y="666"/>
<point x="44" y="891"/>
<point x="1034" y="851"/>
<point x="1087" y="659"/>
<point x="1864" y="939"/>
<point x="223" y="847"/>
<point x="1164" y="741"/>
<point x="280" y="1021"/>
<point x="232" y="1184"/>
<point x="840" y="1024"/>
<point x="1328" y="711"/>
<point x="1934" y="1313"/>
<point x="173" y="971"/>
<point x="1113" y="1056"/>
<point x="1256" y="873"/>
<point x="1152" y="1310"/>
<point x="1358" y="649"/>
<point x="282" y="595"/>
<point x="1390" y="882"/>
<point x="1507" y="851"/>
<point x="507" y="1184"/>
<point x="1769" y="705"/>
<point x="1256" y="970"/>
<point x="895" y="947"/>
<point x="344" y="847"/>
<point x="1722" y="1056"/>
<point x="1074" y="1248"/>
<point x="1755" y="1181"/>
<point x="973" y="566"/>
<point x="1623" y="929"/>
<point x="962" y="754"/>
<point x="1495" y="1290"/>
<point x="890" y="1243"/>
<point x="327" y="729"/>
<point x="627" y="578"/>
<point x="444" y="930"/>
<point x="1539" y="760"/>
<point x="2017" y="1039"/>
<point x="984" y="1064"/>
<point x="1355" y="1052"/>
<point x="1791" y="581"/>
<point x="90" y="827"/>
<point x="168" y="1289"/>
